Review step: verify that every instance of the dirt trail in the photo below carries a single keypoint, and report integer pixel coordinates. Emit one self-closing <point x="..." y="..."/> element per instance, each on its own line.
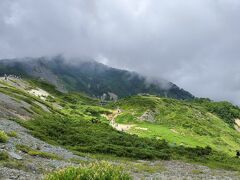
<point x="117" y="126"/>
<point x="237" y="124"/>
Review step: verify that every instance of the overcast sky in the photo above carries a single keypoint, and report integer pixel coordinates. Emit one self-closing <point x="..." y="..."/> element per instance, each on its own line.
<point x="193" y="43"/>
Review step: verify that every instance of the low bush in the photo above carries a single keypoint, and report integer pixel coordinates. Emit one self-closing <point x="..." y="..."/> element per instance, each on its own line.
<point x="33" y="152"/>
<point x="93" y="171"/>
<point x="3" y="137"/>
<point x="85" y="136"/>
<point x="225" y="110"/>
<point x="15" y="164"/>
<point x="12" y="134"/>
<point x="4" y="156"/>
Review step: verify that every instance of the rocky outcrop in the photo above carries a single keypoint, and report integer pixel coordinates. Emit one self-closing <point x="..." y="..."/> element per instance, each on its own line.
<point x="112" y="96"/>
<point x="148" y="116"/>
<point x="10" y="107"/>
<point x="32" y="167"/>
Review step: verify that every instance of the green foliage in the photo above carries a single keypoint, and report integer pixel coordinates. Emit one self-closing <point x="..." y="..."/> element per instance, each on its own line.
<point x="94" y="171"/>
<point x="33" y="152"/>
<point x="12" y="134"/>
<point x="75" y="130"/>
<point x="224" y="110"/>
<point x="15" y="164"/>
<point x="85" y="136"/>
<point x="3" y="137"/>
<point x="126" y="117"/>
<point x="180" y="122"/>
<point x="79" y="98"/>
<point x="177" y="130"/>
<point x="4" y="156"/>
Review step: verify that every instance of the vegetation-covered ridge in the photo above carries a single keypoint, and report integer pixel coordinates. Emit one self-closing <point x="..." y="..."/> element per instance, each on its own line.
<point x="188" y="123"/>
<point x="79" y="123"/>
<point x="90" y="77"/>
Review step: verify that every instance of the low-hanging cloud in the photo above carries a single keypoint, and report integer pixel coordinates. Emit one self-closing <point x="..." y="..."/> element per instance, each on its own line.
<point x="194" y="44"/>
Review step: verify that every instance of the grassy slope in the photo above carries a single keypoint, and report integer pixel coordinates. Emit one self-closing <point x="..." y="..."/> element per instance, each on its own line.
<point x="180" y="122"/>
<point x="73" y="128"/>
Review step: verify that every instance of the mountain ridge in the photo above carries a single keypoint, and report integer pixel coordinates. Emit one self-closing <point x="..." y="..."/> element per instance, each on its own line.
<point x="90" y="77"/>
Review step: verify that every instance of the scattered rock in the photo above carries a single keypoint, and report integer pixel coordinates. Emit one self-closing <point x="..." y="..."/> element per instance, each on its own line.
<point x="15" y="155"/>
<point x="2" y="146"/>
<point x="8" y="173"/>
<point x="176" y="170"/>
<point x="39" y="93"/>
<point x="112" y="96"/>
<point x="32" y="167"/>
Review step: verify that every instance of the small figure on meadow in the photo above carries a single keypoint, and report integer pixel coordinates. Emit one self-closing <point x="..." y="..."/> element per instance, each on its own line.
<point x="238" y="154"/>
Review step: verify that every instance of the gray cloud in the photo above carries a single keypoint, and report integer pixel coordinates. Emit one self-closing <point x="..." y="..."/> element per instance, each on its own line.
<point x="194" y="44"/>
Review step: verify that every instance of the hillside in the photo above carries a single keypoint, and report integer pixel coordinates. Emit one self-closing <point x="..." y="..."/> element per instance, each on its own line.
<point x="90" y="77"/>
<point x="179" y="122"/>
<point x="43" y="129"/>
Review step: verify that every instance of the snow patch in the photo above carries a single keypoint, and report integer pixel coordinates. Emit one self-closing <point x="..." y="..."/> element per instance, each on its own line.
<point x="39" y="93"/>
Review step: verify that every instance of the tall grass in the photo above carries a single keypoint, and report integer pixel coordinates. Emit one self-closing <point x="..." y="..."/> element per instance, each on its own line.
<point x="3" y="137"/>
<point x="33" y="152"/>
<point x="4" y="156"/>
<point x="93" y="171"/>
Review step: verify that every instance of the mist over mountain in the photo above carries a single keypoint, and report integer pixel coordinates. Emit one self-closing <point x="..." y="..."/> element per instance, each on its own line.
<point x="194" y="44"/>
<point x="90" y="77"/>
<point x="119" y="89"/>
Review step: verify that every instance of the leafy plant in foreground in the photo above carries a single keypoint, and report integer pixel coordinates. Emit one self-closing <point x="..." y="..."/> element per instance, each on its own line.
<point x="3" y="137"/>
<point x="93" y="171"/>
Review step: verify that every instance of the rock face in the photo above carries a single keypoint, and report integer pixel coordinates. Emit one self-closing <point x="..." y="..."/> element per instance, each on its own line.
<point x="8" y="173"/>
<point x="112" y="96"/>
<point x="12" y="108"/>
<point x="148" y="116"/>
<point x="31" y="167"/>
<point x="24" y="138"/>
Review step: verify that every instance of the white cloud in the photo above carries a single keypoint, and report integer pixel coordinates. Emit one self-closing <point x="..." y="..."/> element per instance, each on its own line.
<point x="194" y="44"/>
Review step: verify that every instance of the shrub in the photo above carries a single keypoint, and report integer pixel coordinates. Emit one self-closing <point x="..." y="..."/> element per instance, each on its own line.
<point x="84" y="136"/>
<point x="33" y="152"/>
<point x="94" y="171"/>
<point x="12" y="134"/>
<point x="3" y="156"/>
<point x="224" y="110"/>
<point x="3" y="137"/>
<point x="14" y="164"/>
